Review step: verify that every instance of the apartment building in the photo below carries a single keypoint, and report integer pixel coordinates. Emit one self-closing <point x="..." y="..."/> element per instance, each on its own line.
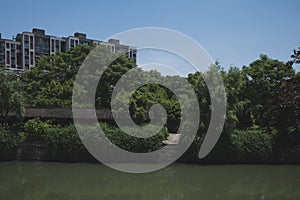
<point x="10" y="55"/>
<point x="22" y="52"/>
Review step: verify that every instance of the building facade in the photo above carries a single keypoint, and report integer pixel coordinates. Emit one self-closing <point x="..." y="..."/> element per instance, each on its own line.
<point x="10" y="54"/>
<point x="22" y="52"/>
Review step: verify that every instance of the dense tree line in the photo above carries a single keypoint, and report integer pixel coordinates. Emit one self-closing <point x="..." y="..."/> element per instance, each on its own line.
<point x="263" y="104"/>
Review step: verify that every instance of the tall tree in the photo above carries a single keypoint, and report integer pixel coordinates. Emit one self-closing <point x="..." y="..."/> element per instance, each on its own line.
<point x="11" y="100"/>
<point x="238" y="105"/>
<point x="265" y="78"/>
<point x="50" y="82"/>
<point x="287" y="109"/>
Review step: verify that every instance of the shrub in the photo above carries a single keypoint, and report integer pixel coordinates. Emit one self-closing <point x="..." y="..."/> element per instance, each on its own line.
<point x="9" y="139"/>
<point x="35" y="129"/>
<point x="252" y="144"/>
<point x="67" y="138"/>
<point x="62" y="138"/>
<point x="134" y="144"/>
<point x="191" y="155"/>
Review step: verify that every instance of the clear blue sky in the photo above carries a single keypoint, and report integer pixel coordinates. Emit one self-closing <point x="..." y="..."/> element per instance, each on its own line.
<point x="235" y="32"/>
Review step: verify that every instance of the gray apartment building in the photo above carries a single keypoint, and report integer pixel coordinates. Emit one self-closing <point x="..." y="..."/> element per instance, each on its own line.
<point x="21" y="53"/>
<point x="10" y="53"/>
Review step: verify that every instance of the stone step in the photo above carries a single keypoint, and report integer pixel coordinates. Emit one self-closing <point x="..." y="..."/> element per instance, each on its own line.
<point x="172" y="139"/>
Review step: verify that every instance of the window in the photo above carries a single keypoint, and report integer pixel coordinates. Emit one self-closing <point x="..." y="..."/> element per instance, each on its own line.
<point x="13" y="46"/>
<point x="26" y="53"/>
<point x="19" y="59"/>
<point x="2" y="60"/>
<point x="52" y="45"/>
<point x="37" y="49"/>
<point x="7" y="45"/>
<point x="8" y="57"/>
<point x="31" y="42"/>
<point x="26" y="45"/>
<point x="130" y="53"/>
<point x="26" y="38"/>
<point x="13" y="61"/>
<point x="71" y="43"/>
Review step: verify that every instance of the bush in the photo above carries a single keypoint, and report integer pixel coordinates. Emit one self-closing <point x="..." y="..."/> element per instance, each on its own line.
<point x="191" y="155"/>
<point x="252" y="145"/>
<point x="35" y="129"/>
<point x="9" y="139"/>
<point x="63" y="138"/>
<point x="67" y="138"/>
<point x="134" y="144"/>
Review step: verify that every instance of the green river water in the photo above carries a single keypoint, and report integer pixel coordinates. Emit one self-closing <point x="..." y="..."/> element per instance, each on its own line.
<point x="83" y="181"/>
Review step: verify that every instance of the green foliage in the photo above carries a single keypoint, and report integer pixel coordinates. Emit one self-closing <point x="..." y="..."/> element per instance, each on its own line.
<point x="265" y="81"/>
<point x="295" y="57"/>
<point x="141" y="100"/>
<point x="58" y="138"/>
<point x="238" y="106"/>
<point x="262" y="105"/>
<point x="35" y="129"/>
<point x="11" y="99"/>
<point x="148" y="95"/>
<point x="66" y="138"/>
<point x="63" y="139"/>
<point x="287" y="116"/>
<point x="251" y="95"/>
<point x="201" y="90"/>
<point x="9" y="139"/>
<point x="50" y="82"/>
<point x="134" y="144"/>
<point x="252" y="145"/>
<point x="109" y="79"/>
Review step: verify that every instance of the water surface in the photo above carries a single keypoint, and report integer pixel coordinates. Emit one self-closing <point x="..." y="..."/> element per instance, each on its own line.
<point x="59" y="181"/>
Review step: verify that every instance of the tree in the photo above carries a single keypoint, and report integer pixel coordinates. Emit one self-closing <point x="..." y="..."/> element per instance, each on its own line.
<point x="238" y="105"/>
<point x="295" y="57"/>
<point x="109" y="79"/>
<point x="11" y="100"/>
<point x="265" y="77"/>
<point x="201" y="90"/>
<point x="50" y="82"/>
<point x="141" y="100"/>
<point x="287" y="109"/>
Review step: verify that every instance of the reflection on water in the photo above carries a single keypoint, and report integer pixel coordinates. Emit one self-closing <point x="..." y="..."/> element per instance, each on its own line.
<point x="55" y="181"/>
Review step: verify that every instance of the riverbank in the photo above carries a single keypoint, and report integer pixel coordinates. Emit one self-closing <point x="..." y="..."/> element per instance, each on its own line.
<point x="42" y="152"/>
<point x="44" y="141"/>
<point x="39" y="151"/>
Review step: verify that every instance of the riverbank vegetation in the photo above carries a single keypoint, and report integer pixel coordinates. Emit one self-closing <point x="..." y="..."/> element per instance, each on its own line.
<point x="262" y="118"/>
